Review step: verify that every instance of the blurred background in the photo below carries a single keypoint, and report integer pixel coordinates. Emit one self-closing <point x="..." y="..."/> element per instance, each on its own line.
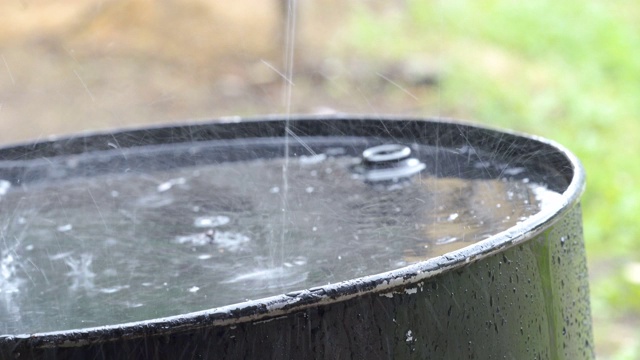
<point x="567" y="70"/>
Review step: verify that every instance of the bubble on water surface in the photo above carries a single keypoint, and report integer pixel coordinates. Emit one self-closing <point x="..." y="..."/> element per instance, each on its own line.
<point x="113" y="289"/>
<point x="269" y="277"/>
<point x="312" y="159"/>
<point x="167" y="185"/>
<point x="4" y="187"/>
<point x="154" y="201"/>
<point x="446" y="240"/>
<point x="65" y="228"/>
<point x="9" y="282"/>
<point x="231" y="241"/>
<point x="211" y="221"/>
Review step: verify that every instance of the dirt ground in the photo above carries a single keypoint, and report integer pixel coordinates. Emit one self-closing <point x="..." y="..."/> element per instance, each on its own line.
<point x="71" y="65"/>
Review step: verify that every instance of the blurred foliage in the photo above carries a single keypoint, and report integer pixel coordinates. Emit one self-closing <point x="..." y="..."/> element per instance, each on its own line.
<point x="567" y="70"/>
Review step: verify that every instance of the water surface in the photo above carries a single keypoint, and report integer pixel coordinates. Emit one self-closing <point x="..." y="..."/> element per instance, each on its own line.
<point x="131" y="243"/>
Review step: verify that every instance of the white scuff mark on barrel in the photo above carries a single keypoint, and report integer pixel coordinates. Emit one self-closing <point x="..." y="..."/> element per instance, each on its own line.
<point x="409" y="291"/>
<point x="269" y="320"/>
<point x="194" y="289"/>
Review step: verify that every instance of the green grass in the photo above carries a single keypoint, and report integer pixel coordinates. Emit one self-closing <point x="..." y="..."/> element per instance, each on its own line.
<point x="567" y="70"/>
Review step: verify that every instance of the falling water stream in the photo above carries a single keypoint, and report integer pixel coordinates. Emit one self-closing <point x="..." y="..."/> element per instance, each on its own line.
<point x="289" y="53"/>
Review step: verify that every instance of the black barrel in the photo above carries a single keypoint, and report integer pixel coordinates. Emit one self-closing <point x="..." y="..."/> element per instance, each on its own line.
<point x="447" y="290"/>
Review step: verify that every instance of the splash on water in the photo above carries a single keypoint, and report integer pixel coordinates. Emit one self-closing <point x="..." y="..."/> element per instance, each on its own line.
<point x="545" y="197"/>
<point x="211" y="221"/>
<point x="312" y="159"/>
<point x="80" y="272"/>
<point x="231" y="241"/>
<point x="10" y="285"/>
<point x="269" y="278"/>
<point x="9" y="282"/>
<point x="225" y="240"/>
